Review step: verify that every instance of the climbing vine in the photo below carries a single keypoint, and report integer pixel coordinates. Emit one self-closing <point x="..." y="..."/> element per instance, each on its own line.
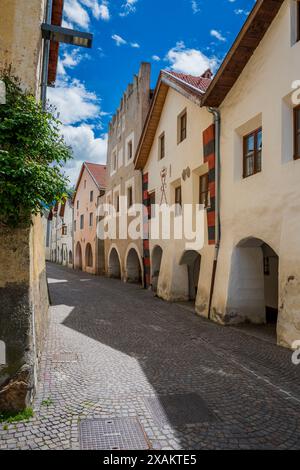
<point x="32" y="154"/>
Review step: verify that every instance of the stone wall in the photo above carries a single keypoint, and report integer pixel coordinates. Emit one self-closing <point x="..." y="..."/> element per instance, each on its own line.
<point x="23" y="311"/>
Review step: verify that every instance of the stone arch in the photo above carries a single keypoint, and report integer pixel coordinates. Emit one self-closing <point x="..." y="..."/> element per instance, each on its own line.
<point x="254" y="282"/>
<point x="156" y="259"/>
<point x="89" y="261"/>
<point x="114" y="264"/>
<point x="133" y="266"/>
<point x="192" y="260"/>
<point x="78" y="256"/>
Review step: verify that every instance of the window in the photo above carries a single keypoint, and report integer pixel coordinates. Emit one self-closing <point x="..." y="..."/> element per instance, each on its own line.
<point x="129" y="196"/>
<point x="297" y="133"/>
<point x="77" y="204"/>
<point x="81" y="222"/>
<point x="64" y="230"/>
<point x="162" y="146"/>
<point x="178" y="200"/>
<point x="204" y="190"/>
<point x="129" y="150"/>
<point x="182" y="127"/>
<point x="115" y="161"/>
<point x="117" y="202"/>
<point x="252" y="153"/>
<point x="152" y="205"/>
<point x="84" y="184"/>
<point x="91" y="196"/>
<point x="91" y="219"/>
<point x="74" y="225"/>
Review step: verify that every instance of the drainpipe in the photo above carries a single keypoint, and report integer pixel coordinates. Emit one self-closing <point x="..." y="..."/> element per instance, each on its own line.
<point x="217" y="122"/>
<point x="46" y="53"/>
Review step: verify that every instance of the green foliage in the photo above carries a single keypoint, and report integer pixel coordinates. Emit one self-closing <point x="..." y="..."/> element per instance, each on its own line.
<point x="47" y="402"/>
<point x="32" y="154"/>
<point x="24" y="415"/>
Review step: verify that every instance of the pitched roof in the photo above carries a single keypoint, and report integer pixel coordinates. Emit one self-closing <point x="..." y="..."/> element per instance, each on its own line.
<point x="193" y="88"/>
<point x="97" y="173"/>
<point x="251" y="34"/>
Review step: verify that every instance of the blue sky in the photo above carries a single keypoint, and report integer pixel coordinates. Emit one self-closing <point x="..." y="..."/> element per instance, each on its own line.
<point x="183" y="35"/>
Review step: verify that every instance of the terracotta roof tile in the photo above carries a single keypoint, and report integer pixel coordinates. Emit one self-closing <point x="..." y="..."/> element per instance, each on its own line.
<point x="201" y="83"/>
<point x="98" y="172"/>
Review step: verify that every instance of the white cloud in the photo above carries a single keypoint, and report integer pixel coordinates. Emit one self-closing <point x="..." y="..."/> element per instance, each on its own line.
<point x="195" y="6"/>
<point x="135" y="45"/>
<point x="118" y="40"/>
<point x="68" y="61"/>
<point x="85" y="146"/>
<point x="191" y="61"/>
<point x="128" y="7"/>
<point x="156" y="58"/>
<point x="74" y="102"/>
<point x="218" y="35"/>
<point x="79" y="11"/>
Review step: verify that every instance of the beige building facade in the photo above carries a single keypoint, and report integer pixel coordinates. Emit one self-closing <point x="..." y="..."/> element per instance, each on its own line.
<point x="258" y="273"/>
<point x="88" y="250"/>
<point x="124" y="257"/>
<point x="171" y="156"/>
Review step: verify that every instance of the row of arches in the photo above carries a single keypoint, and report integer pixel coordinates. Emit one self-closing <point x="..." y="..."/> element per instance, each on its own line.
<point x="253" y="291"/>
<point x="62" y="256"/>
<point x="89" y="260"/>
<point x="133" y="266"/>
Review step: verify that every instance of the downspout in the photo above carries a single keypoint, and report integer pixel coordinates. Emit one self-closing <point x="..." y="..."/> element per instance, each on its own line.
<point x="46" y="56"/>
<point x="144" y="264"/>
<point x="217" y="122"/>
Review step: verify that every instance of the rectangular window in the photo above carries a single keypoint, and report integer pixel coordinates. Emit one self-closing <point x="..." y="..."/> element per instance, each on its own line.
<point x="182" y="125"/>
<point x="162" y="146"/>
<point x="204" y="190"/>
<point x="129" y="197"/>
<point x="91" y="219"/>
<point x="64" y="230"/>
<point x="129" y="150"/>
<point x="152" y="205"/>
<point x="297" y="133"/>
<point x="84" y="184"/>
<point x="81" y="222"/>
<point x="77" y="204"/>
<point x="117" y="202"/>
<point x="91" y="196"/>
<point x="252" y="153"/>
<point x="74" y="225"/>
<point x="115" y="161"/>
<point x="178" y="200"/>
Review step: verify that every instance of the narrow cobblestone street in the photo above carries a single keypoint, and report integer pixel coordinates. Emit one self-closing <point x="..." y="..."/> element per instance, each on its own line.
<point x="116" y="351"/>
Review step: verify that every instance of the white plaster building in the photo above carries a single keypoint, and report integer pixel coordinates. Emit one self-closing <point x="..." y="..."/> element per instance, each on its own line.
<point x="62" y="233"/>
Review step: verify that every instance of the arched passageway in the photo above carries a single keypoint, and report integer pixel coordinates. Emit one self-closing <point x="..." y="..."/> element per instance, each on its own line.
<point x="133" y="267"/>
<point x="89" y="256"/>
<point x="253" y="288"/>
<point x="192" y="260"/>
<point x="78" y="256"/>
<point x="157" y="254"/>
<point x="114" y="267"/>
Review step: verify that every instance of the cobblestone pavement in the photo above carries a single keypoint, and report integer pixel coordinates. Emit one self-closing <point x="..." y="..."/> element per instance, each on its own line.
<point x="112" y="347"/>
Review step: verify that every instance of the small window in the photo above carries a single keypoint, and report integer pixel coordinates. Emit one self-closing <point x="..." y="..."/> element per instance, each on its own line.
<point x="91" y="196"/>
<point x="117" y="202"/>
<point x="252" y="153"/>
<point x="115" y="161"/>
<point x="162" y="146"/>
<point x="129" y="197"/>
<point x="204" y="190"/>
<point x="178" y="200"/>
<point x="74" y="225"/>
<point x="91" y="219"/>
<point x="81" y="222"/>
<point x="152" y="205"/>
<point x="64" y="230"/>
<point x="297" y="133"/>
<point x="77" y="204"/>
<point x="129" y="150"/>
<point x="84" y="184"/>
<point x="182" y="127"/>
